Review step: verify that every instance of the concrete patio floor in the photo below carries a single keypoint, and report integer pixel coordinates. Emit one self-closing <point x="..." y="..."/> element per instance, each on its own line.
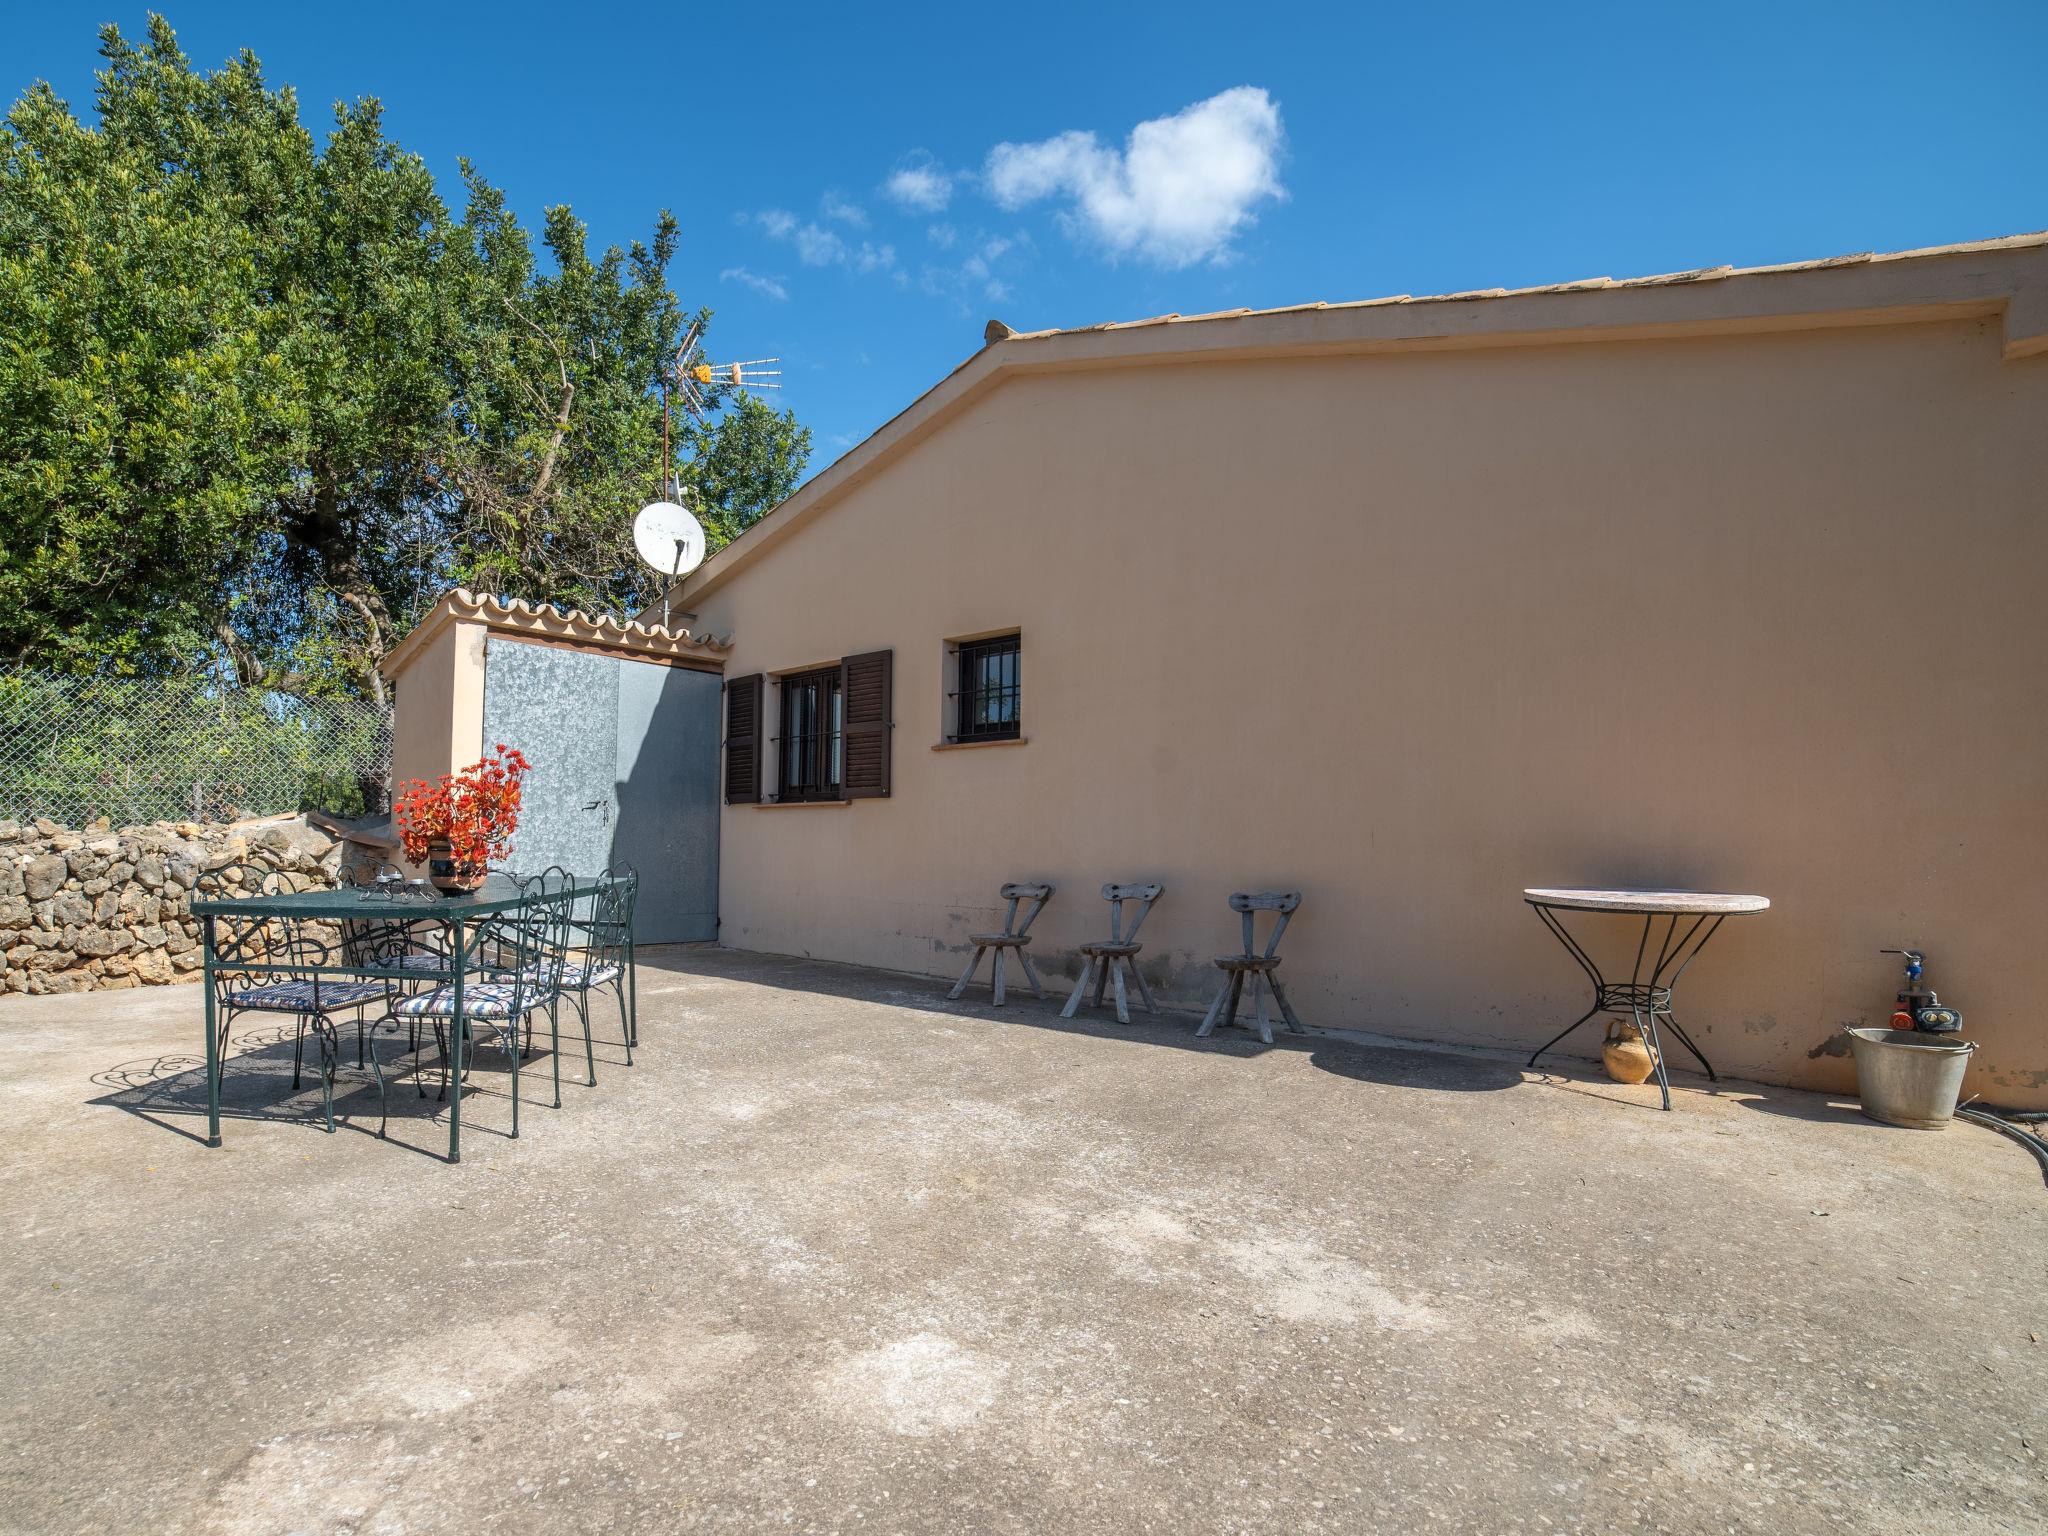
<point x="837" y="1255"/>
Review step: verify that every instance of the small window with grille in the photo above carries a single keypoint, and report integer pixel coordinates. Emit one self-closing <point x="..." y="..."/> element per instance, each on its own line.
<point x="988" y="698"/>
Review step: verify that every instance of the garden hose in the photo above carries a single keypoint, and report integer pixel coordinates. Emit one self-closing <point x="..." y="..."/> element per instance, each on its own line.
<point x="2002" y="1121"/>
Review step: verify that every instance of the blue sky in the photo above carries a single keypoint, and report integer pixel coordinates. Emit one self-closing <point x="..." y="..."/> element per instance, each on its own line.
<point x="861" y="187"/>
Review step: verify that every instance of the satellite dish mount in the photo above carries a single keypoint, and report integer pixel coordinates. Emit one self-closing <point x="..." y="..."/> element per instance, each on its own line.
<point x="670" y="539"/>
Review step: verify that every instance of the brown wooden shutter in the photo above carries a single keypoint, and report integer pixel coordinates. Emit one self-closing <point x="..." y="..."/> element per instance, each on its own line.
<point x="866" y="683"/>
<point x="743" y="740"/>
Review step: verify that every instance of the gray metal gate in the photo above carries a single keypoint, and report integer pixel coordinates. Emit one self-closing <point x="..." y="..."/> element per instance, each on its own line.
<point x="625" y="770"/>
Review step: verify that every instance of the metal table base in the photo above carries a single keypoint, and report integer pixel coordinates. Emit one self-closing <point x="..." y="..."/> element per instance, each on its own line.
<point x="1646" y="995"/>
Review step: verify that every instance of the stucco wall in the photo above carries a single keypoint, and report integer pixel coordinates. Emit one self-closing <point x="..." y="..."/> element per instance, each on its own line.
<point x="1413" y="632"/>
<point x="437" y="725"/>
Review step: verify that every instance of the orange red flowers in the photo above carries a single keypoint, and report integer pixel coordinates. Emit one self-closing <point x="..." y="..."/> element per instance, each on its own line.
<point x="475" y="810"/>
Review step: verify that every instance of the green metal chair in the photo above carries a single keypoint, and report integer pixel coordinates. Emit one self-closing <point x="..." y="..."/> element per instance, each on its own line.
<point x="520" y="955"/>
<point x="247" y="954"/>
<point x="604" y="932"/>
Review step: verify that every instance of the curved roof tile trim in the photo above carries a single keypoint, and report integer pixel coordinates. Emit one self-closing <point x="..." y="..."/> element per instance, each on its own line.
<point x="546" y="621"/>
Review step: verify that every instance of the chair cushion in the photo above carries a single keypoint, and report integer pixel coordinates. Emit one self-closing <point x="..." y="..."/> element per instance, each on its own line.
<point x="1247" y="962"/>
<point x="480" y="1000"/>
<point x="419" y="960"/>
<point x="991" y="940"/>
<point x="298" y="997"/>
<point x="575" y="978"/>
<point x="1104" y="947"/>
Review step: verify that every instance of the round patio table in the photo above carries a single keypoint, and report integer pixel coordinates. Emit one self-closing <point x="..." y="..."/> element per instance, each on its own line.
<point x="1690" y="919"/>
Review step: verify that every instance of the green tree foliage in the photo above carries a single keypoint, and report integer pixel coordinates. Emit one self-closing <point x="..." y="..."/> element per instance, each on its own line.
<point x="745" y="462"/>
<point x="261" y="398"/>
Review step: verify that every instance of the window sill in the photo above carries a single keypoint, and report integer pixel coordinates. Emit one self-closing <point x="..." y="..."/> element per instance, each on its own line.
<point x="976" y="746"/>
<point x="801" y="805"/>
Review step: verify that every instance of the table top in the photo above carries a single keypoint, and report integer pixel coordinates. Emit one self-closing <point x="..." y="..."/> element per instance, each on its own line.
<point x="1683" y="903"/>
<point x="498" y="893"/>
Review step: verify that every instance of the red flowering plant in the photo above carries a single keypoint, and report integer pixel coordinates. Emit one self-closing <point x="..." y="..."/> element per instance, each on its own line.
<point x="475" y="811"/>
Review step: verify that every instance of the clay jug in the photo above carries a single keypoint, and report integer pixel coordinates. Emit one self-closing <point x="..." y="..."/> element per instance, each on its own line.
<point x="1625" y="1053"/>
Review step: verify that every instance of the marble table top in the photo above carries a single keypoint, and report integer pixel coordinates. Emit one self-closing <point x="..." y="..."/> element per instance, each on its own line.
<point x="1685" y="903"/>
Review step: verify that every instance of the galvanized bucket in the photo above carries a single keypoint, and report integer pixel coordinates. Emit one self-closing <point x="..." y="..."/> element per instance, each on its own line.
<point x="1907" y="1078"/>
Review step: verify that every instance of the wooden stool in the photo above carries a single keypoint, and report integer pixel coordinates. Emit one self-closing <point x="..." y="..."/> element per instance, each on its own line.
<point x="1015" y="935"/>
<point x="1261" y="965"/>
<point x="1103" y="958"/>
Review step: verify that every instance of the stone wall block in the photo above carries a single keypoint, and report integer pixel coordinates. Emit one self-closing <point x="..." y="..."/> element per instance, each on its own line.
<point x="44" y="876"/>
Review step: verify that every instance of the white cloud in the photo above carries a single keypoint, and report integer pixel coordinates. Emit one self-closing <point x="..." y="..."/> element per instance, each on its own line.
<point x="977" y="275"/>
<point x="761" y="283"/>
<point x="817" y="246"/>
<point x="919" y="184"/>
<point x="941" y="235"/>
<point x="833" y="206"/>
<point x="1182" y="187"/>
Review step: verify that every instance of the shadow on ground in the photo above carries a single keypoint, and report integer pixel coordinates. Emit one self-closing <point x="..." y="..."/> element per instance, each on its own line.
<point x="169" y="1091"/>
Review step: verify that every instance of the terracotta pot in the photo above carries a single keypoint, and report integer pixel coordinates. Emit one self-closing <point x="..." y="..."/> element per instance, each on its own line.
<point x="447" y="876"/>
<point x="1625" y="1053"/>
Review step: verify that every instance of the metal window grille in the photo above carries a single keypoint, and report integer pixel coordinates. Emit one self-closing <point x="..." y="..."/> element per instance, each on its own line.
<point x="811" y="750"/>
<point x="990" y="695"/>
<point x="135" y="750"/>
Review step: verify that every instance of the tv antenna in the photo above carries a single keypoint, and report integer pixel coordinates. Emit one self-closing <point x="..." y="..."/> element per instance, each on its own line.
<point x="667" y="534"/>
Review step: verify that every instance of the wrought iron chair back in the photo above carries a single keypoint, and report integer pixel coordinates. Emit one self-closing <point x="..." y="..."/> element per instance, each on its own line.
<point x="364" y="940"/>
<point x="526" y="948"/>
<point x="542" y="882"/>
<point x="240" y="941"/>
<point x="608" y="931"/>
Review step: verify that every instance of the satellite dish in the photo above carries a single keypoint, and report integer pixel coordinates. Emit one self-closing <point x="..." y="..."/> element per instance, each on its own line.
<point x="669" y="538"/>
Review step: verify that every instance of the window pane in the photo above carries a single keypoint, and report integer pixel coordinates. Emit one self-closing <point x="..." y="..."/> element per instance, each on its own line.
<point x="989" y="693"/>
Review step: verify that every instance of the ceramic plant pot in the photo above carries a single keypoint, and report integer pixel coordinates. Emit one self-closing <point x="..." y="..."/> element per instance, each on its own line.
<point x="446" y="875"/>
<point x="1625" y="1053"/>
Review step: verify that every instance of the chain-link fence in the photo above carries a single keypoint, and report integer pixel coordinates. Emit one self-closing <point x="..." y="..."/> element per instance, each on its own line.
<point x="165" y="749"/>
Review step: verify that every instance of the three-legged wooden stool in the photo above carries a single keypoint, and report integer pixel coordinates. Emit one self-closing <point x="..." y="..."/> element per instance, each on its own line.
<point x="1102" y="958"/>
<point x="1015" y="935"/>
<point x="1260" y="965"/>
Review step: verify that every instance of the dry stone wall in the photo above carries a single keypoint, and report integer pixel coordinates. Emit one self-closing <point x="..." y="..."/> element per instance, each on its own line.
<point x="81" y="910"/>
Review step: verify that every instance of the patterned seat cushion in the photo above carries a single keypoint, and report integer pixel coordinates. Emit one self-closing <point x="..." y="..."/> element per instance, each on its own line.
<point x="419" y="960"/>
<point x="298" y="996"/>
<point x="480" y="1000"/>
<point x="575" y="978"/>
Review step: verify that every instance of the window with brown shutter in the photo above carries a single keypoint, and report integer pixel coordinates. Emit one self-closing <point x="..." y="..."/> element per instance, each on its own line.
<point x="866" y="685"/>
<point x="743" y="740"/>
<point x="809" y="740"/>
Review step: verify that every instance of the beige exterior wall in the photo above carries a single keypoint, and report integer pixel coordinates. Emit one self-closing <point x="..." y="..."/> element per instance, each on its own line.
<point x="1411" y="632"/>
<point x="438" y="720"/>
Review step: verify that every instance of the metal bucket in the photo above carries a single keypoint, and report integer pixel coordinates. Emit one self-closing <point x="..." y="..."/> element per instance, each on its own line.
<point x="1907" y="1078"/>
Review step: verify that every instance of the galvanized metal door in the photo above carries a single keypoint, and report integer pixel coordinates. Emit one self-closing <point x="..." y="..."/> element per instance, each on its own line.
<point x="665" y="822"/>
<point x="558" y="707"/>
<point x="625" y="770"/>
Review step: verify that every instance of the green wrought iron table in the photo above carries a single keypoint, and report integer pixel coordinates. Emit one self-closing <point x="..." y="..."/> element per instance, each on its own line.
<point x="342" y="904"/>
